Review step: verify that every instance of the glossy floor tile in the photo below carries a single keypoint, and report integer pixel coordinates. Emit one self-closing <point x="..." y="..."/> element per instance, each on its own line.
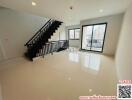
<point x="62" y="76"/>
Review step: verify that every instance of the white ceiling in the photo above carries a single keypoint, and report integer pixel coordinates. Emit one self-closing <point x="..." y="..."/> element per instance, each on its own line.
<point x="59" y="9"/>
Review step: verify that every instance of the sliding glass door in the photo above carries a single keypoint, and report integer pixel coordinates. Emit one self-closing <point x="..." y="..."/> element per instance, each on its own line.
<point x="87" y="35"/>
<point x="93" y="37"/>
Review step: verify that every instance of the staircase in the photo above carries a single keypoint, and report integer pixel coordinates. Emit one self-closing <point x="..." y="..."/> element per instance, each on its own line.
<point x="39" y="41"/>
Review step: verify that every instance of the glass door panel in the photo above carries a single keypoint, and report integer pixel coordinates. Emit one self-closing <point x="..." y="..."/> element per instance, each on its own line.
<point x="93" y="37"/>
<point x="98" y="37"/>
<point x="86" y="39"/>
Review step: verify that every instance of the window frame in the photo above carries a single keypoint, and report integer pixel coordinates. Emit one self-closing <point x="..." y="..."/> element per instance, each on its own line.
<point x="92" y="36"/>
<point x="74" y="34"/>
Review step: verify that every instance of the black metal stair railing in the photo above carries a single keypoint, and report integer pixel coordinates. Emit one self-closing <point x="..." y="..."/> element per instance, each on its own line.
<point x="39" y="42"/>
<point x="53" y="46"/>
<point x="39" y="34"/>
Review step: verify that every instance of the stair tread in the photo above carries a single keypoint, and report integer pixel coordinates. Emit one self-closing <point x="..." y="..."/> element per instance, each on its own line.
<point x="42" y="39"/>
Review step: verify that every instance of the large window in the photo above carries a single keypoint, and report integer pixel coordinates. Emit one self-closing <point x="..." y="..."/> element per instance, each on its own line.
<point x="93" y="37"/>
<point x="74" y="34"/>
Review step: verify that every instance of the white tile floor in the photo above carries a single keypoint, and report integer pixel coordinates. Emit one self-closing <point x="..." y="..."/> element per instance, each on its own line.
<point x="62" y="76"/>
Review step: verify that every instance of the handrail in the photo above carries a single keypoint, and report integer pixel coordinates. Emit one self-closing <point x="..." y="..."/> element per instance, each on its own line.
<point x="53" y="46"/>
<point x="38" y="32"/>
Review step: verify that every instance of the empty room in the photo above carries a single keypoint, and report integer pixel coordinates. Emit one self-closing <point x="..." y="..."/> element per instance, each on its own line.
<point x="65" y="49"/>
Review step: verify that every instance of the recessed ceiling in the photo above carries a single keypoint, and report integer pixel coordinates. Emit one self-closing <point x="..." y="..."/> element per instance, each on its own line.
<point x="61" y="9"/>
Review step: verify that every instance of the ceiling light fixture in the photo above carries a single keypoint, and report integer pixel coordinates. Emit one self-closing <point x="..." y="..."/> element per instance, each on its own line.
<point x="101" y="10"/>
<point x="33" y="4"/>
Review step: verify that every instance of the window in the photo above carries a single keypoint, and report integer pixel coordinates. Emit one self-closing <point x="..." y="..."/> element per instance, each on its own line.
<point x="71" y="34"/>
<point x="74" y="34"/>
<point x="77" y="33"/>
<point x="93" y="37"/>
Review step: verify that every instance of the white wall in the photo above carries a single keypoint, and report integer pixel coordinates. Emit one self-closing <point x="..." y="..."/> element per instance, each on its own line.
<point x="113" y="31"/>
<point x="73" y="43"/>
<point x="60" y="34"/>
<point x="112" y="34"/>
<point x="124" y="51"/>
<point x="15" y="30"/>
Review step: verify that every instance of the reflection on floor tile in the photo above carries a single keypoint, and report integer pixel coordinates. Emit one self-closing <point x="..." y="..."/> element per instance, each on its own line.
<point x="89" y="60"/>
<point x="64" y="75"/>
<point x="73" y="56"/>
<point x="92" y="61"/>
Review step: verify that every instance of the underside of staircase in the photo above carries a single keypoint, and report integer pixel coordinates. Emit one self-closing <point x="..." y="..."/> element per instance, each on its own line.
<point x="39" y="45"/>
